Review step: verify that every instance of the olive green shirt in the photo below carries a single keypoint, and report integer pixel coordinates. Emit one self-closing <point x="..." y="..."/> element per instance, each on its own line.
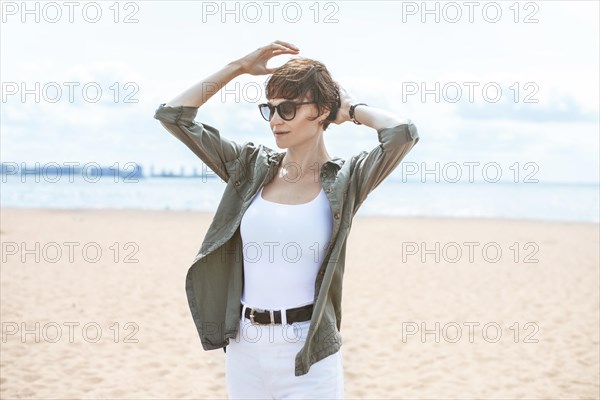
<point x="214" y="281"/>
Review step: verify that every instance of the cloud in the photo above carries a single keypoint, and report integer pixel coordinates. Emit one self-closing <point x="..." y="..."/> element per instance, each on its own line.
<point x="564" y="109"/>
<point x="560" y="132"/>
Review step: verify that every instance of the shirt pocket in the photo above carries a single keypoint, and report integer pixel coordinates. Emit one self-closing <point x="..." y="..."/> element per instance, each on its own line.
<point x="240" y="177"/>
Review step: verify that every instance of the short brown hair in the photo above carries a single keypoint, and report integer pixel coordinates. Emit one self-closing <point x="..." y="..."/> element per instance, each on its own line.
<point x="301" y="76"/>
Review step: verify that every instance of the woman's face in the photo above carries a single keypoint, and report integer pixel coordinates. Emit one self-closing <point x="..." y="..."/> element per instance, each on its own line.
<point x="300" y="129"/>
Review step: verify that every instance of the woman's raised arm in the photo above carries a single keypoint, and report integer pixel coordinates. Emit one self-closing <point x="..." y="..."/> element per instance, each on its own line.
<point x="254" y="63"/>
<point x="178" y="116"/>
<point x="396" y="137"/>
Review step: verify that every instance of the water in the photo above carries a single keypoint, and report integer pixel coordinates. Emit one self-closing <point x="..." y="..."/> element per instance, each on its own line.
<point x="534" y="201"/>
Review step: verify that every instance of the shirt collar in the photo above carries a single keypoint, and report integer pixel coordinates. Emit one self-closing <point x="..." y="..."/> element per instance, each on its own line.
<point x="276" y="158"/>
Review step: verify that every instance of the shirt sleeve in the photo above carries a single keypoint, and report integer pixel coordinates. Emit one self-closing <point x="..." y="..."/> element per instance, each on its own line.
<point x="373" y="167"/>
<point x="204" y="140"/>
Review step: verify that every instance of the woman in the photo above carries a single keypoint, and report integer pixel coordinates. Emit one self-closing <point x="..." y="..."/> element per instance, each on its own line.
<point x="266" y="284"/>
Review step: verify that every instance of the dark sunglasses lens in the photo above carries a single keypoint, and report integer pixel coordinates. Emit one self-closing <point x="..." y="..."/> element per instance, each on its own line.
<point x="265" y="112"/>
<point x="287" y="110"/>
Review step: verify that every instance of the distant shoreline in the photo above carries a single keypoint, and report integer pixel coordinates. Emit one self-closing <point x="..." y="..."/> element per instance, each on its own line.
<point x="210" y="214"/>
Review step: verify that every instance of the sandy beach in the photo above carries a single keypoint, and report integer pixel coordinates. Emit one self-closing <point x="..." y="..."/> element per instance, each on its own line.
<point x="93" y="305"/>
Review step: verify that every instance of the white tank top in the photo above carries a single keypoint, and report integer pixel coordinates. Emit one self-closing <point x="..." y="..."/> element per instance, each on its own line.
<point x="283" y="248"/>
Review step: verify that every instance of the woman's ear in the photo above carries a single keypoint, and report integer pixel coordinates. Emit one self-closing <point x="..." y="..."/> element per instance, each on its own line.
<point x="333" y="114"/>
<point x="324" y="115"/>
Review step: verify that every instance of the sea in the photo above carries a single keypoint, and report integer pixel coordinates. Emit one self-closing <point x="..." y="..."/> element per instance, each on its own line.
<point x="393" y="197"/>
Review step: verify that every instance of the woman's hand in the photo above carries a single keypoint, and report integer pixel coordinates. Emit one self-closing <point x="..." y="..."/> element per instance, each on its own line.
<point x="346" y="100"/>
<point x="255" y="63"/>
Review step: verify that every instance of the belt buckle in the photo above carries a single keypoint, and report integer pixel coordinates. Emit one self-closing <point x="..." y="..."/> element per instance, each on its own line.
<point x="252" y="317"/>
<point x="257" y="323"/>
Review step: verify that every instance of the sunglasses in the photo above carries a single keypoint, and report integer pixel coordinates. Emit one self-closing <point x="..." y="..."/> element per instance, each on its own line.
<point x="285" y="109"/>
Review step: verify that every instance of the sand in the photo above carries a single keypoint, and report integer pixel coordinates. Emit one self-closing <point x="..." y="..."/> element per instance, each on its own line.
<point x="140" y="341"/>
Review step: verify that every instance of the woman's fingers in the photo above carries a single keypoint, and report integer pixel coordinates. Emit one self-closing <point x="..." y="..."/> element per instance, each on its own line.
<point x="275" y="46"/>
<point x="286" y="44"/>
<point x="257" y="60"/>
<point x="278" y="52"/>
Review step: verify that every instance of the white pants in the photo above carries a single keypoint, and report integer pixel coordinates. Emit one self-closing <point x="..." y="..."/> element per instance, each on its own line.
<point x="260" y="364"/>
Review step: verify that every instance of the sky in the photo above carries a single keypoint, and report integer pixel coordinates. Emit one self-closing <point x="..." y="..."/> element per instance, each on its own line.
<point x="507" y="83"/>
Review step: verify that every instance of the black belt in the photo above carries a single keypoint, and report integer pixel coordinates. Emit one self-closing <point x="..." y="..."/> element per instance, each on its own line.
<point x="269" y="317"/>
